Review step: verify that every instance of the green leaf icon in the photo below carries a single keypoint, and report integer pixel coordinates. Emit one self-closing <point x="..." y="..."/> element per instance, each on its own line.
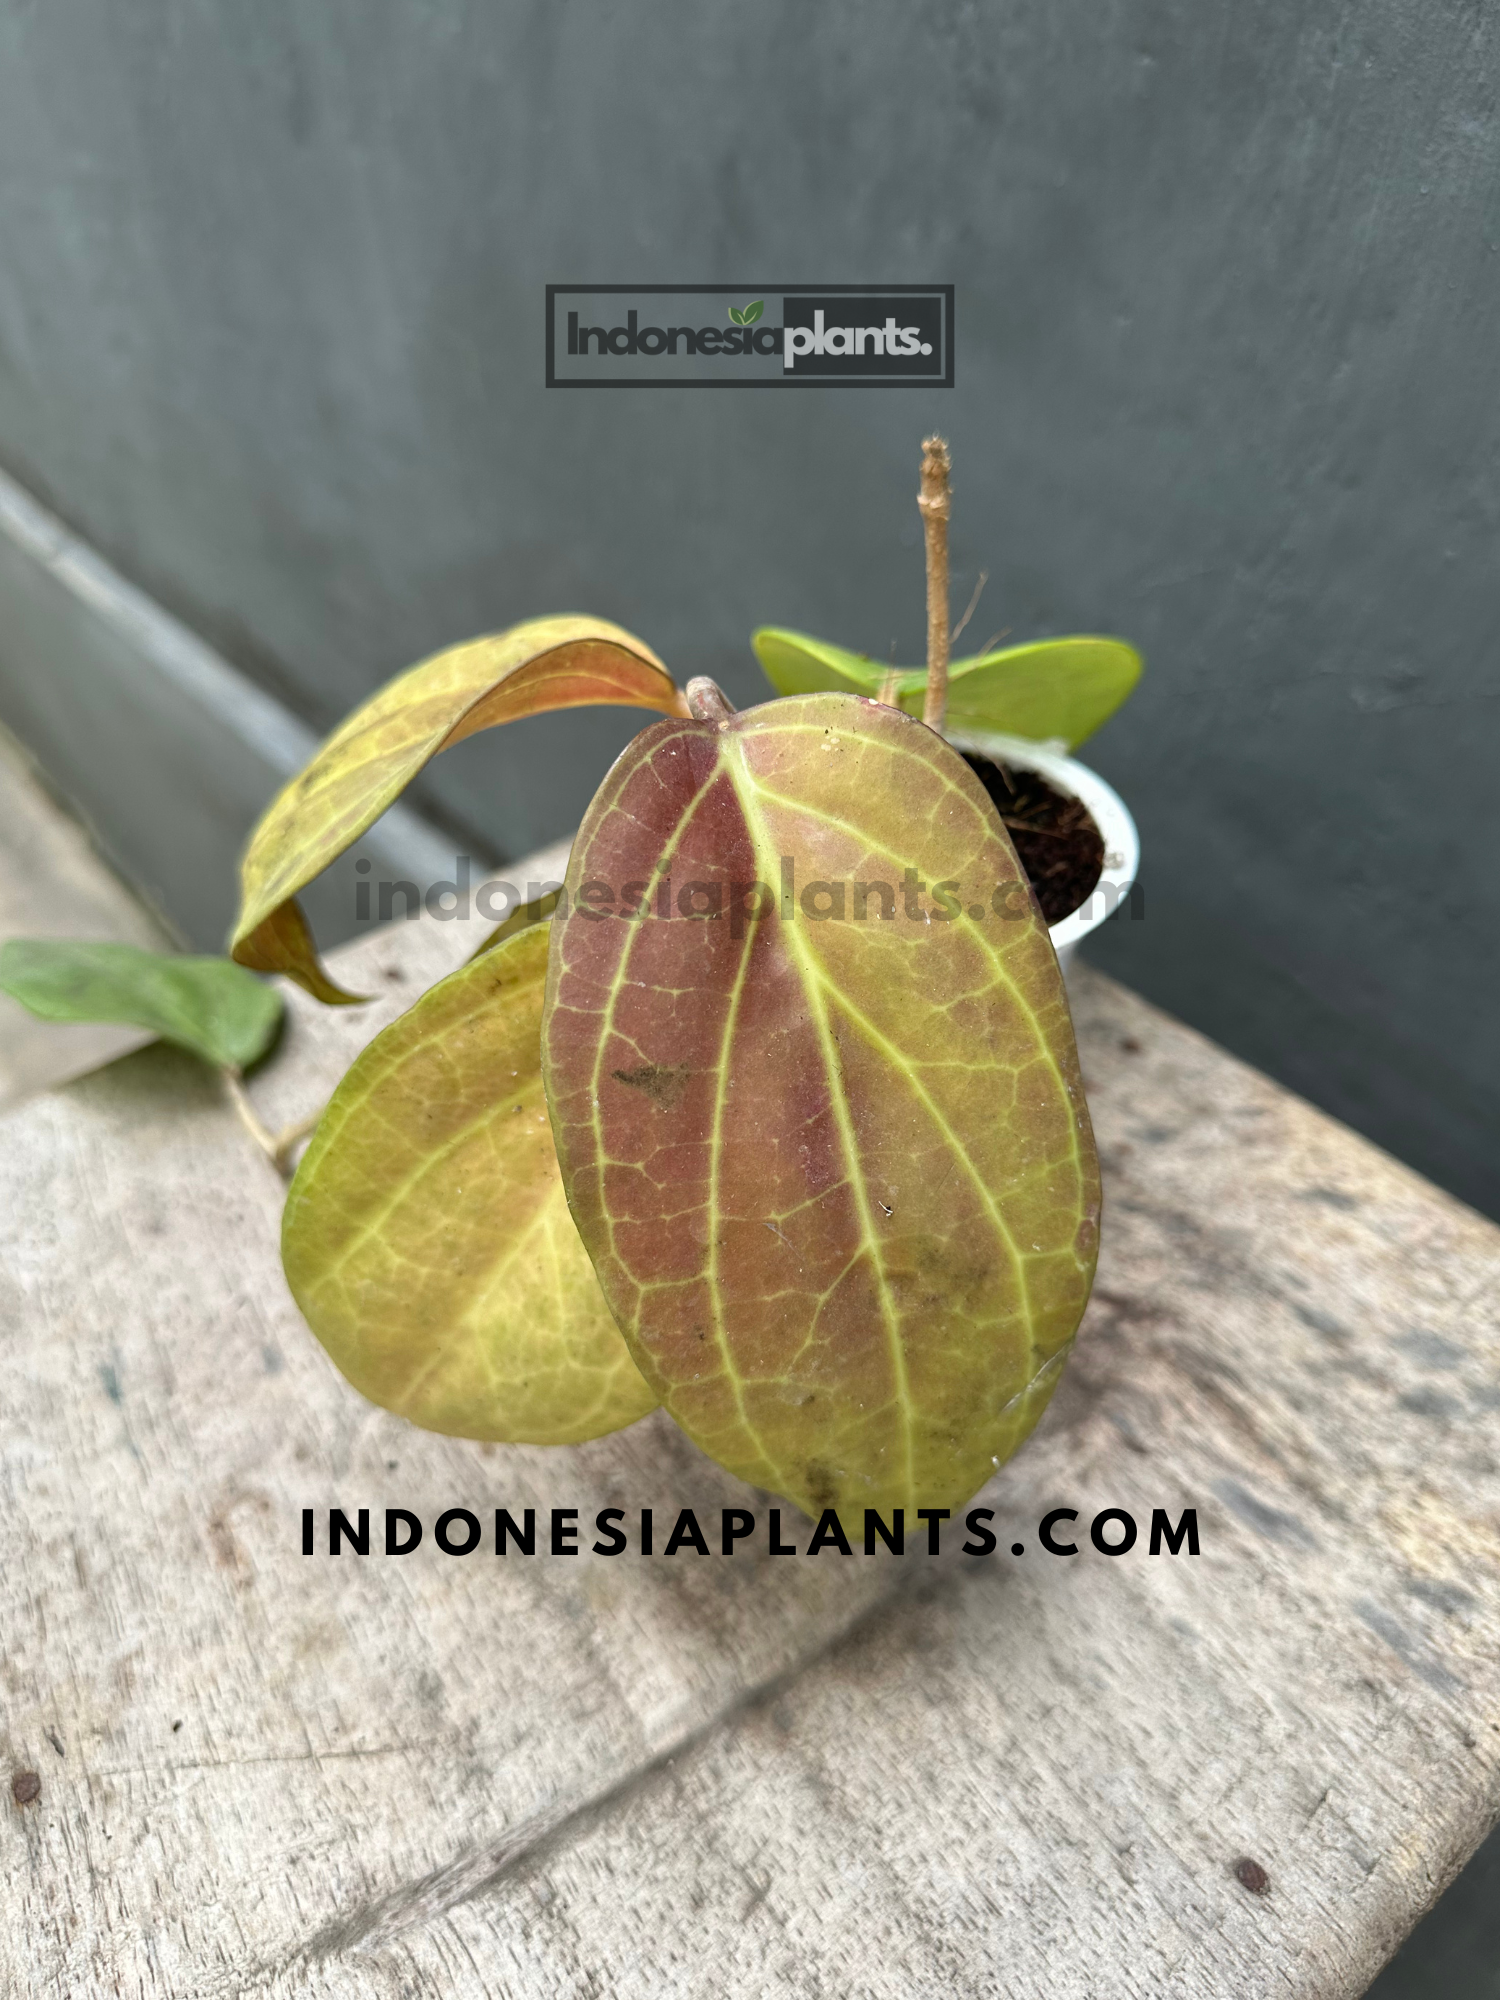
<point x="752" y="312"/>
<point x="736" y="315"/>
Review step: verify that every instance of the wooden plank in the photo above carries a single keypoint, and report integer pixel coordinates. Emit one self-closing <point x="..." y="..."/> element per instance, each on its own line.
<point x="1026" y="1775"/>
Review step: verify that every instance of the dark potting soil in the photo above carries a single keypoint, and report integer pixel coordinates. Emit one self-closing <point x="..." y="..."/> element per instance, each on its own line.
<point x="1059" y="845"/>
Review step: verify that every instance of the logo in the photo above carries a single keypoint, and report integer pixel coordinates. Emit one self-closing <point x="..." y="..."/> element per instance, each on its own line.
<point x="749" y="337"/>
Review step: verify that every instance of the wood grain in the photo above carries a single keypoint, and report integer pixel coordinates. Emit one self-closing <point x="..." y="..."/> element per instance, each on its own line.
<point x="1026" y="1776"/>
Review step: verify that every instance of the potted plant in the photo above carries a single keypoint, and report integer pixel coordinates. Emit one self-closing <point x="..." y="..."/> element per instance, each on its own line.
<point x="772" y="1116"/>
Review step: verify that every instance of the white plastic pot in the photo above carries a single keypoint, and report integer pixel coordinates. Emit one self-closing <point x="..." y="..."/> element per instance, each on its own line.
<point x="1122" y="844"/>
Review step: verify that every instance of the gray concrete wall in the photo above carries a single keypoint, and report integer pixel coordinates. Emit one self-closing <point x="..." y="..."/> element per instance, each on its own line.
<point x="1228" y="348"/>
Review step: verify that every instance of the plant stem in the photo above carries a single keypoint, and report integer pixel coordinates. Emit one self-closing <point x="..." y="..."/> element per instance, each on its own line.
<point x="707" y="701"/>
<point x="278" y="1147"/>
<point x="934" y="500"/>
<point x="888" y="688"/>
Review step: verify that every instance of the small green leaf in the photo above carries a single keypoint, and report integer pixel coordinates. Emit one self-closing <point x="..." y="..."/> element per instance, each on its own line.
<point x="753" y="312"/>
<point x="736" y="315"/>
<point x="1065" y="688"/>
<point x="1055" y="689"/>
<point x="209" y="1006"/>
<point x="797" y="664"/>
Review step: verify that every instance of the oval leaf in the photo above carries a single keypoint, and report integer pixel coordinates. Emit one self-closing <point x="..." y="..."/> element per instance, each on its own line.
<point x="797" y="664"/>
<point x="828" y="1147"/>
<point x="1056" y="690"/>
<point x="548" y="663"/>
<point x="426" y="1238"/>
<point x="205" y="1005"/>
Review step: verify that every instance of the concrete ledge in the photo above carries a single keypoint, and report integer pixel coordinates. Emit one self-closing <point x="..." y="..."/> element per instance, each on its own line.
<point x="53" y="884"/>
<point x="164" y="750"/>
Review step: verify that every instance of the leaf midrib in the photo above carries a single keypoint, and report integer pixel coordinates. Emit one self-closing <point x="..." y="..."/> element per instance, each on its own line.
<point x="989" y="951"/>
<point x="854" y="1170"/>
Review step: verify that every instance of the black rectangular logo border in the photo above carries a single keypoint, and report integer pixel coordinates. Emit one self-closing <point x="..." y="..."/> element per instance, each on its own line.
<point x="553" y="381"/>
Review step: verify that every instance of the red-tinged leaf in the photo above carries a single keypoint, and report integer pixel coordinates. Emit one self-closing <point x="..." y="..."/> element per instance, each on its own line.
<point x="835" y="1172"/>
<point x="545" y="664"/>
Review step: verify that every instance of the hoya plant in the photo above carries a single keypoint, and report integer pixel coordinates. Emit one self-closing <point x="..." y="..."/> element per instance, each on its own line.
<point x="771" y="1117"/>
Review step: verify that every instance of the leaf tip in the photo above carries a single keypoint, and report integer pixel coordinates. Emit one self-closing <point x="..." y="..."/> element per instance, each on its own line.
<point x="282" y="943"/>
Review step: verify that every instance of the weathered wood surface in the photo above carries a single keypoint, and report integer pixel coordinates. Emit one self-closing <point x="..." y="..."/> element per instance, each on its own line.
<point x="1030" y="1777"/>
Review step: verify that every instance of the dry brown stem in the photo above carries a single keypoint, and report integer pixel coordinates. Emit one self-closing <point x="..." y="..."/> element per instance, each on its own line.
<point x="935" y="502"/>
<point x="984" y="577"/>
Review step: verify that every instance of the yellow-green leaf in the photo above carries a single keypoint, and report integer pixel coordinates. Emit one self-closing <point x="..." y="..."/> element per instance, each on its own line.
<point x="206" y="1005"/>
<point x="520" y="918"/>
<point x="1053" y="690"/>
<point x="794" y="663"/>
<point x="426" y="1237"/>
<point x="817" y="1101"/>
<point x="1056" y="689"/>
<point x="547" y="663"/>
